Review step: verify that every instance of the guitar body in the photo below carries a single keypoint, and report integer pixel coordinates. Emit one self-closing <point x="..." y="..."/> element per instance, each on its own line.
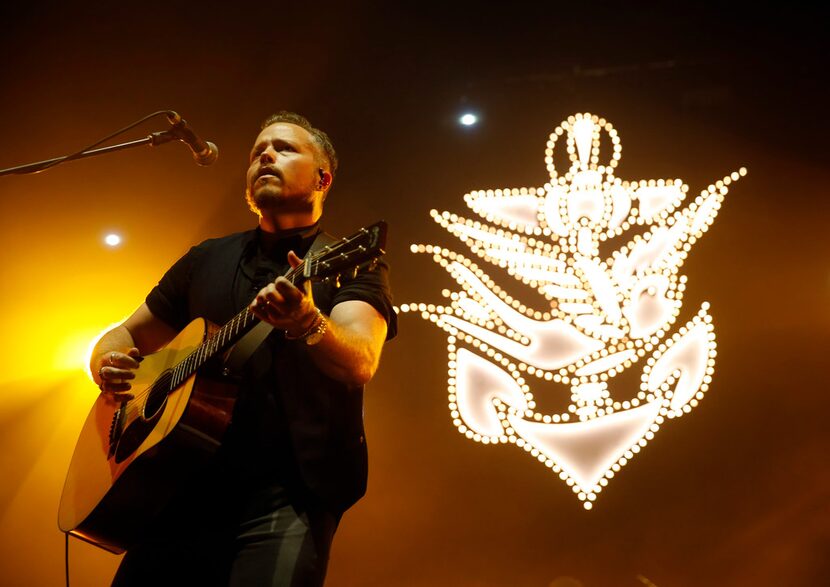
<point x="130" y="457"/>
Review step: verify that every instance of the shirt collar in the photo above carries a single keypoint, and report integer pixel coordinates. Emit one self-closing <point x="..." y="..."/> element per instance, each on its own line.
<point x="277" y="245"/>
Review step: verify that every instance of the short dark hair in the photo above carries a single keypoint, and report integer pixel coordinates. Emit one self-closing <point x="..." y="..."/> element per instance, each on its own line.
<point x="325" y="148"/>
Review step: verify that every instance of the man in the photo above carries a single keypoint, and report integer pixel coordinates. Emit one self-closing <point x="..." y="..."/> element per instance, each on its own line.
<point x="265" y="510"/>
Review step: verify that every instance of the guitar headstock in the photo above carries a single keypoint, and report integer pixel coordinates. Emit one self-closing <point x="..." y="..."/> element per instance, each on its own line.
<point x="347" y="254"/>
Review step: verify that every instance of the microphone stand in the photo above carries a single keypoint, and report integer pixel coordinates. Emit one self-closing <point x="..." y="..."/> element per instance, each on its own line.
<point x="154" y="139"/>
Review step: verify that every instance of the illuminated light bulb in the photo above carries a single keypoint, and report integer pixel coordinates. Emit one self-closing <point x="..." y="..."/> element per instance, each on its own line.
<point x="112" y="240"/>
<point x="468" y="119"/>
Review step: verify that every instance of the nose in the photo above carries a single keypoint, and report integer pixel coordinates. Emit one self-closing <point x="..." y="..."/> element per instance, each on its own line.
<point x="268" y="155"/>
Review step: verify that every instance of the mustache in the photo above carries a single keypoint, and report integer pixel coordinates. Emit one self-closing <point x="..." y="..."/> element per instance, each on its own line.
<point x="268" y="170"/>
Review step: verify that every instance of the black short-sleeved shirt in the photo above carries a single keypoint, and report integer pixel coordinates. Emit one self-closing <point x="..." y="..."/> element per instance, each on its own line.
<point x="292" y="424"/>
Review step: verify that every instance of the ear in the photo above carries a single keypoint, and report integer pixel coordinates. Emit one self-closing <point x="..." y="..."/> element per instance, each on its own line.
<point x="325" y="179"/>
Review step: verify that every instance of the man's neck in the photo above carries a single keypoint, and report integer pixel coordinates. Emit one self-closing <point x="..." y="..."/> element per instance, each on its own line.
<point x="278" y="224"/>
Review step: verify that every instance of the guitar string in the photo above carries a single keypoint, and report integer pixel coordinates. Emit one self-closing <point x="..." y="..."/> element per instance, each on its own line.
<point x="132" y="409"/>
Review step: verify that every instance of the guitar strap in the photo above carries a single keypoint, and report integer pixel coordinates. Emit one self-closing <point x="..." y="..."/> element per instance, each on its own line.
<point x="249" y="343"/>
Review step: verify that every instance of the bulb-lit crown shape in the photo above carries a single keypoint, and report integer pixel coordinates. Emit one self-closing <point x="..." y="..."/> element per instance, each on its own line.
<point x="604" y="315"/>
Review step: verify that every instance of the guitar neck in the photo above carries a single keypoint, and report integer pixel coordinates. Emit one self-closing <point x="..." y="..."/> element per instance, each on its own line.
<point x="221" y="340"/>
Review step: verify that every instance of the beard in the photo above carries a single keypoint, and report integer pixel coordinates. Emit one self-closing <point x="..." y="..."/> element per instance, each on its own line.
<point x="266" y="199"/>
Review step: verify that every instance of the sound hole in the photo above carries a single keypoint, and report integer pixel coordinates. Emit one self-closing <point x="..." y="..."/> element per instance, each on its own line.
<point x="140" y="428"/>
<point x="157" y="396"/>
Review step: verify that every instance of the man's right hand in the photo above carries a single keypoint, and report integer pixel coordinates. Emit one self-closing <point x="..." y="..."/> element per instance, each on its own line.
<point x="115" y="369"/>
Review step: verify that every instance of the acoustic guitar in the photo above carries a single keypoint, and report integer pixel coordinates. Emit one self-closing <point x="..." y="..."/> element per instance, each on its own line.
<point x="131" y="455"/>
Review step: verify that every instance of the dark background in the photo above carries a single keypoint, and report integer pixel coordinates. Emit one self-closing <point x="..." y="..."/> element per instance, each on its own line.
<point x="735" y="493"/>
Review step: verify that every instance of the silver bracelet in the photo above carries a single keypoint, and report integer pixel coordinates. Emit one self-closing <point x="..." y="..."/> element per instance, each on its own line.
<point x="315" y="324"/>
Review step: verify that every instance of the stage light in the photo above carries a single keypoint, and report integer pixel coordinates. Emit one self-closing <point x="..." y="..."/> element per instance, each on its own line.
<point x="604" y="315"/>
<point x="112" y="240"/>
<point x="468" y="119"/>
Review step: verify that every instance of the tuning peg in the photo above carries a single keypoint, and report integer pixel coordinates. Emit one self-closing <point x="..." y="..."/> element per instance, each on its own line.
<point x="337" y="281"/>
<point x="354" y="272"/>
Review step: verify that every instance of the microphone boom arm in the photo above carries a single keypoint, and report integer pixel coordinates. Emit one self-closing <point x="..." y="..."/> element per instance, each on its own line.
<point x="43" y="165"/>
<point x="154" y="139"/>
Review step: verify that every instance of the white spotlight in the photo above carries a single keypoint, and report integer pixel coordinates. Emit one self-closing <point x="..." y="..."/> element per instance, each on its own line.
<point x="112" y="239"/>
<point x="468" y="119"/>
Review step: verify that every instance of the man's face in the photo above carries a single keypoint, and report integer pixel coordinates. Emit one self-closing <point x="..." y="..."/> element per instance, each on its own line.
<point x="283" y="174"/>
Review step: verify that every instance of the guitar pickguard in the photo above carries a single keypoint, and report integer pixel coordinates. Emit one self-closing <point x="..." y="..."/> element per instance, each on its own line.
<point x="149" y="406"/>
<point x="116" y="428"/>
<point x="134" y="435"/>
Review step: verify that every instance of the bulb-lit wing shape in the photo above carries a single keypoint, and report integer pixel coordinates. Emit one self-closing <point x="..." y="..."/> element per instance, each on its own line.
<point x="604" y="315"/>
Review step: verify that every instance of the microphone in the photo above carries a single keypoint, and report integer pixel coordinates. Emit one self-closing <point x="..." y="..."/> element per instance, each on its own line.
<point x="204" y="152"/>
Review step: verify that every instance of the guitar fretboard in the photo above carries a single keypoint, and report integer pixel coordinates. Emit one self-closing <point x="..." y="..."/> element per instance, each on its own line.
<point x="222" y="339"/>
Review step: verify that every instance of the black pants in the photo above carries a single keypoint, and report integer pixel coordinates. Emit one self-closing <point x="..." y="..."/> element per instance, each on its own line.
<point x="271" y="540"/>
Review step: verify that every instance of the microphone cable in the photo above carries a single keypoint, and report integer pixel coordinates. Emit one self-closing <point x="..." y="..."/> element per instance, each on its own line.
<point x="66" y="557"/>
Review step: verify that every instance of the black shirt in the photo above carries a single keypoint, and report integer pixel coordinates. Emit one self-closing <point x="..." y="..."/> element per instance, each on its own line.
<point x="292" y="425"/>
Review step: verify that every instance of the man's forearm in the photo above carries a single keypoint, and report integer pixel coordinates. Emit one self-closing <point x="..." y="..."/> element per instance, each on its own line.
<point x="347" y="356"/>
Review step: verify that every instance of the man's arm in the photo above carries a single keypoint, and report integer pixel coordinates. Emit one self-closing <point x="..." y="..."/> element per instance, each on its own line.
<point x="114" y="357"/>
<point x="350" y="348"/>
